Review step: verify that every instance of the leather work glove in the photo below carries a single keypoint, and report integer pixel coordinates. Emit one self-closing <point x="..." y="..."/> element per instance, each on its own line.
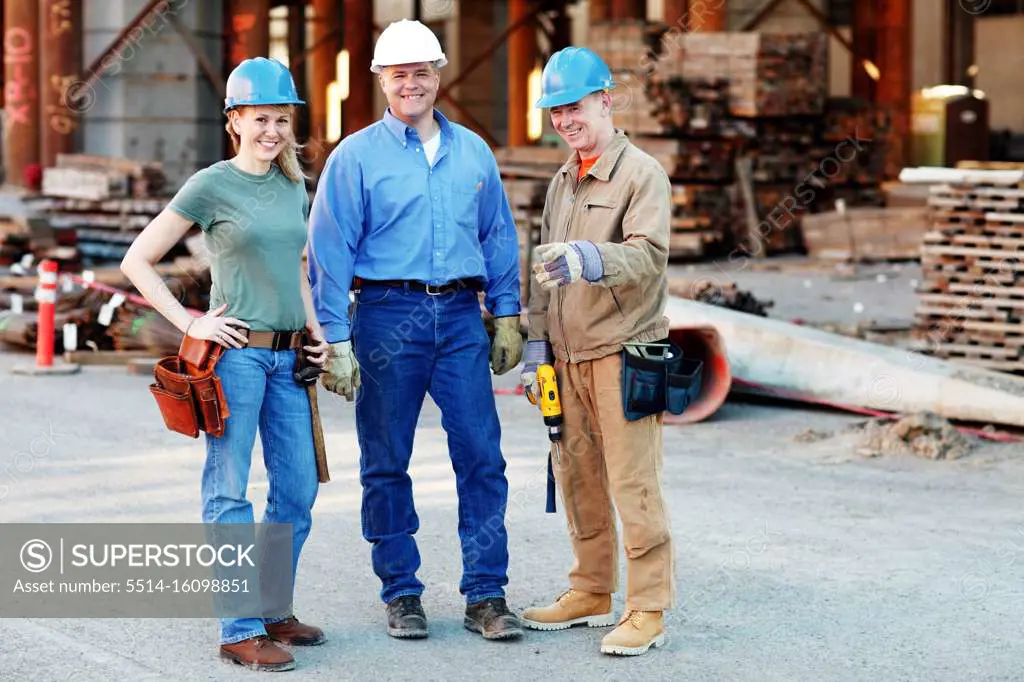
<point x="507" y="346"/>
<point x="342" y="372"/>
<point x="561" y="263"/>
<point x="537" y="353"/>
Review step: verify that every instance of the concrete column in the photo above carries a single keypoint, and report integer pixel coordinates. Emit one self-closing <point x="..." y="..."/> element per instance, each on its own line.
<point x="357" y="111"/>
<point x="60" y="23"/>
<point x="864" y="41"/>
<point x="600" y="10"/>
<point x="327" y="43"/>
<point x="21" y="89"/>
<point x="522" y="54"/>
<point x="247" y="30"/>
<point x="296" y="47"/>
<point x="627" y="9"/>
<point x="894" y="57"/>
<point x="674" y="12"/>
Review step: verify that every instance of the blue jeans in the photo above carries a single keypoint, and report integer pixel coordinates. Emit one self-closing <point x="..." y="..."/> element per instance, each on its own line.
<point x="261" y="393"/>
<point x="408" y="343"/>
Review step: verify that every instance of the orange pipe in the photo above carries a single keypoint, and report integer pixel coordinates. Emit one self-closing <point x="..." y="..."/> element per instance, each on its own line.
<point x="703" y="343"/>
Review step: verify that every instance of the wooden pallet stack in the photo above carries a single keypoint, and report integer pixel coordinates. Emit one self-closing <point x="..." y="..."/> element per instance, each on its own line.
<point x="768" y="74"/>
<point x="971" y="303"/>
<point x="526" y="173"/>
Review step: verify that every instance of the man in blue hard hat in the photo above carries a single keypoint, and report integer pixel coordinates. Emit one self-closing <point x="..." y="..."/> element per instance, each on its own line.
<point x="411" y="215"/>
<point x="601" y="267"/>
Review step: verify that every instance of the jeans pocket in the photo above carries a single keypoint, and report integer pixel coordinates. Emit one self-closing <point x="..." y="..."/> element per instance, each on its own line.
<point x="684" y="385"/>
<point x="373" y="295"/>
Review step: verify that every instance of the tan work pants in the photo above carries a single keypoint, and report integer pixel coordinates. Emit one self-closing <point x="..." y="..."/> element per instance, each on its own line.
<point x="605" y="458"/>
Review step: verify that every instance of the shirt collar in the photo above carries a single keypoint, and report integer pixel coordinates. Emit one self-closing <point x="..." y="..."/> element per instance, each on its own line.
<point x="602" y="169"/>
<point x="401" y="130"/>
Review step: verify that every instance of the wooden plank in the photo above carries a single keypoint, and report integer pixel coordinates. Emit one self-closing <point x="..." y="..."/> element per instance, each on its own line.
<point x="976" y="351"/>
<point x="985" y="289"/>
<point x="938" y="250"/>
<point x="961" y="312"/>
<point x="1015" y="218"/>
<point x="973" y="190"/>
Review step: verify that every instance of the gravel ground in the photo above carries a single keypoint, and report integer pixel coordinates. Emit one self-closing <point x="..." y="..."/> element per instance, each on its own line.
<point x="795" y="560"/>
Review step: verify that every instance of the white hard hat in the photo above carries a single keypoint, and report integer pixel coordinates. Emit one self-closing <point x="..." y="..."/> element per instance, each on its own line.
<point x="406" y="42"/>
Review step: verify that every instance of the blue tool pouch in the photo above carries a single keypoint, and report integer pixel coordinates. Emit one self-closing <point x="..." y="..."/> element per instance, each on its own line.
<point x="656" y="377"/>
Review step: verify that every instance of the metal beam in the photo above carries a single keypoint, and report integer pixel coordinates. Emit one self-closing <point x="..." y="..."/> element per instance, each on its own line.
<point x="823" y="20"/>
<point x="760" y="15"/>
<point x="493" y="47"/>
<point x="215" y="78"/>
<point x="100" y="64"/>
<point x="470" y="118"/>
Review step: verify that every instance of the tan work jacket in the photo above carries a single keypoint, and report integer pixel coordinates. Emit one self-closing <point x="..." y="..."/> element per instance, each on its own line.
<point x="623" y="205"/>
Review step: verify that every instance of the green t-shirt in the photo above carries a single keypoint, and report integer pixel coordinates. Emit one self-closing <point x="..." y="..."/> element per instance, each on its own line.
<point x="254" y="227"/>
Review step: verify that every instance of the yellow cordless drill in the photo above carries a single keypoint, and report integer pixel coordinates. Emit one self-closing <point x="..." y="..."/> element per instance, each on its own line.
<point x="551" y="408"/>
<point x="550" y="405"/>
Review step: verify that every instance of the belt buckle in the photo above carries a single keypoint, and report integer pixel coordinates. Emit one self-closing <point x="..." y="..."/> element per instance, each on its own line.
<point x="436" y="292"/>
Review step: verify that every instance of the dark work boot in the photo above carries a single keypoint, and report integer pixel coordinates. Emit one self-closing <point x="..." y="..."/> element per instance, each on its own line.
<point x="492" y="619"/>
<point x="406" y="619"/>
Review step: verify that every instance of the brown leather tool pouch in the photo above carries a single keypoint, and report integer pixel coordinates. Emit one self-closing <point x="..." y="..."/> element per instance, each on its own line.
<point x="187" y="391"/>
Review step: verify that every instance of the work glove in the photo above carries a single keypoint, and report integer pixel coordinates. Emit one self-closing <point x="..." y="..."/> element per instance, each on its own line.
<point x="507" y="346"/>
<point x="537" y="353"/>
<point x="561" y="263"/>
<point x="342" y="373"/>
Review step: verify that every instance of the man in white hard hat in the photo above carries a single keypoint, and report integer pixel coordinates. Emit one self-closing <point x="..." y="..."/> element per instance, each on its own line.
<point x="411" y="215"/>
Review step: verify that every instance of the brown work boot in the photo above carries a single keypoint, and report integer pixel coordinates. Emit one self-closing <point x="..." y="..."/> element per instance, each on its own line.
<point x="573" y="607"/>
<point x="638" y="631"/>
<point x="291" y="631"/>
<point x="258" y="653"/>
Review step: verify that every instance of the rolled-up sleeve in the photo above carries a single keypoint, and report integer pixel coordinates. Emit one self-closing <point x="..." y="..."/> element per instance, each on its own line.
<point x="335" y="228"/>
<point x="500" y="244"/>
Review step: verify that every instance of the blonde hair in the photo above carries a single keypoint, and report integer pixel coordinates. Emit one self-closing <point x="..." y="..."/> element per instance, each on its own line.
<point x="288" y="158"/>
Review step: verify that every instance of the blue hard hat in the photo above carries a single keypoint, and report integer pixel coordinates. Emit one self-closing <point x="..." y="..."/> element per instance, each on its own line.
<point x="572" y="74"/>
<point x="260" y="81"/>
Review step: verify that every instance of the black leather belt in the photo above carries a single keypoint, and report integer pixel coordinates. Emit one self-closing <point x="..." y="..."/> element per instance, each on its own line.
<point x="273" y="340"/>
<point x="416" y="285"/>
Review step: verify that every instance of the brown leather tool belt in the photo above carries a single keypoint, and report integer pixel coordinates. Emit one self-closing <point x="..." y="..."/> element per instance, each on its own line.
<point x="416" y="285"/>
<point x="285" y="340"/>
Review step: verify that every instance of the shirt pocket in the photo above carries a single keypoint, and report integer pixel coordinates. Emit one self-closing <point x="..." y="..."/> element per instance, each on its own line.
<point x="465" y="204"/>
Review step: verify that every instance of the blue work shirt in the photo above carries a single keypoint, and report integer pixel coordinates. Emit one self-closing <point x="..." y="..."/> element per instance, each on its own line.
<point x="382" y="213"/>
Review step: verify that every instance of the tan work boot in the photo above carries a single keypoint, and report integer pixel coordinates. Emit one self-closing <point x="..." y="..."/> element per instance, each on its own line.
<point x="572" y="607"/>
<point x="638" y="631"/>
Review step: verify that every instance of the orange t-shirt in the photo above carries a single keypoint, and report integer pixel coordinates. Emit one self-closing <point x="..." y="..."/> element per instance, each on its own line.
<point x="585" y="166"/>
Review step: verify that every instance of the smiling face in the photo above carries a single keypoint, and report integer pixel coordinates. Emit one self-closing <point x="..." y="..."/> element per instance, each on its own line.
<point x="263" y="131"/>
<point x="586" y="125"/>
<point x="411" y="90"/>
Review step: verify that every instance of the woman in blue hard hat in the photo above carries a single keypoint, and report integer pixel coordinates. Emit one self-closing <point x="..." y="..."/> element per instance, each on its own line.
<point x="252" y="210"/>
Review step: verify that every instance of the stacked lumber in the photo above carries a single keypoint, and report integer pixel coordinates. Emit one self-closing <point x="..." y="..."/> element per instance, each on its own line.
<point x="866" y="234"/>
<point x="81" y="176"/>
<point x="701" y="220"/>
<point x="101" y="230"/>
<point x="103" y="320"/>
<point x="526" y="173"/>
<point x="971" y="303"/>
<point x="768" y="74"/>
